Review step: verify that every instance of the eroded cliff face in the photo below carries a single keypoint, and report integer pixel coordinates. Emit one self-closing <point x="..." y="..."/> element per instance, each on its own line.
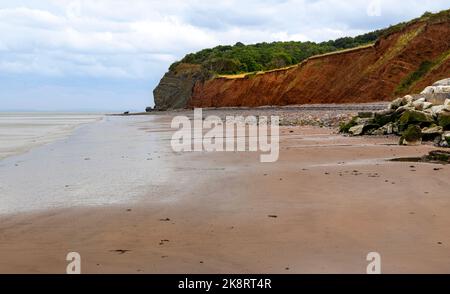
<point x="175" y="89"/>
<point x="403" y="62"/>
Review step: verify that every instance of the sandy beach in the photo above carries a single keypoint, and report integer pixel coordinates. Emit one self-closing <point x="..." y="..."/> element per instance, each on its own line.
<point x="115" y="192"/>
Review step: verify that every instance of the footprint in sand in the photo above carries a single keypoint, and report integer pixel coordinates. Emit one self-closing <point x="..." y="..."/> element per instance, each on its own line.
<point x="163" y="242"/>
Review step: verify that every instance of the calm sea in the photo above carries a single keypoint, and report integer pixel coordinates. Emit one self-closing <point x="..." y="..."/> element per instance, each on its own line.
<point x="21" y="131"/>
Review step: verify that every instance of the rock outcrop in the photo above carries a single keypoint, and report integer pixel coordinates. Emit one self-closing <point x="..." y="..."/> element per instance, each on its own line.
<point x="175" y="89"/>
<point x="425" y="116"/>
<point x="402" y="61"/>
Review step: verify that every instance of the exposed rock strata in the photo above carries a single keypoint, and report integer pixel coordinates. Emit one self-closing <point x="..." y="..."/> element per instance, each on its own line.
<point x="175" y="89"/>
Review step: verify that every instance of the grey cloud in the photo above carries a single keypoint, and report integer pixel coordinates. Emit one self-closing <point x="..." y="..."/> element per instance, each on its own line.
<point x="137" y="40"/>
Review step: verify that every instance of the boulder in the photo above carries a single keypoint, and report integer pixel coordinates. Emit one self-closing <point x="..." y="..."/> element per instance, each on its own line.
<point x="431" y="133"/>
<point x="412" y="136"/>
<point x="418" y="105"/>
<point x="437" y="93"/>
<point x="446" y="138"/>
<point x="428" y="91"/>
<point x="362" y="121"/>
<point x="434" y="130"/>
<point x="357" y="130"/>
<point x="436" y="90"/>
<point x="426" y="105"/>
<point x="446" y="105"/>
<point x="403" y="108"/>
<point x="408" y="100"/>
<point x="444" y="144"/>
<point x="379" y="132"/>
<point x="444" y="82"/>
<point x="381" y="118"/>
<point x="444" y="120"/>
<point x="438" y="99"/>
<point x="148" y="109"/>
<point x="362" y="129"/>
<point x="436" y="110"/>
<point x="442" y="89"/>
<point x="388" y="129"/>
<point x="439" y="155"/>
<point x="414" y="116"/>
<point x="397" y="103"/>
<point x="419" y="100"/>
<point x="437" y="141"/>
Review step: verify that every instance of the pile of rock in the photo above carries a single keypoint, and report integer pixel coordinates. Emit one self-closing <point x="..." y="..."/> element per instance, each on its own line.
<point x="425" y="116"/>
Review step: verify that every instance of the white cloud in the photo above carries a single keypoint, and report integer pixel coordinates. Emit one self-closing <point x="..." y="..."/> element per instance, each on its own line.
<point x="23" y="16"/>
<point x="167" y="28"/>
<point x="139" y="39"/>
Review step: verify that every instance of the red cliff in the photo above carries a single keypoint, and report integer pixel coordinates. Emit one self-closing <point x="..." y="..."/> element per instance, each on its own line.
<point x="404" y="61"/>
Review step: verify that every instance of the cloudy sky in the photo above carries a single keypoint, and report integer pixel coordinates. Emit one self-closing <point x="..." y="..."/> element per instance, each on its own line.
<point x="110" y="54"/>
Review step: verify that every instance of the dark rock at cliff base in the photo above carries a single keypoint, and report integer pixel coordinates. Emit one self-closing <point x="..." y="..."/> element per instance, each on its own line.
<point x="149" y="109"/>
<point x="175" y="88"/>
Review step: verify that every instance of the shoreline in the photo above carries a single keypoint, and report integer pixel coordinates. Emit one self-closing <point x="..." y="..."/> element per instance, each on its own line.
<point x="316" y="210"/>
<point x="370" y="106"/>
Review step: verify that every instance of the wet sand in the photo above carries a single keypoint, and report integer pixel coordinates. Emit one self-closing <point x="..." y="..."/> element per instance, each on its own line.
<point x="116" y="193"/>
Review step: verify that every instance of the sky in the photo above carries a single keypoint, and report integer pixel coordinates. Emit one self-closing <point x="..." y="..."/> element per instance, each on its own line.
<point x="109" y="55"/>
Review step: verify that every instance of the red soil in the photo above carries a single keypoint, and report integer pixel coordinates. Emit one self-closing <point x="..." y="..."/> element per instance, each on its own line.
<point x="362" y="75"/>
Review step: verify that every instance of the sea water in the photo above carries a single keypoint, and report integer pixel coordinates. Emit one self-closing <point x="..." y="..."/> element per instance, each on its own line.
<point x="21" y="131"/>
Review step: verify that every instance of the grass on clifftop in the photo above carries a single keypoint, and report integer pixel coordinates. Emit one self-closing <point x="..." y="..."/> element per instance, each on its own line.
<point x="262" y="57"/>
<point x="249" y="74"/>
<point x="441" y="16"/>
